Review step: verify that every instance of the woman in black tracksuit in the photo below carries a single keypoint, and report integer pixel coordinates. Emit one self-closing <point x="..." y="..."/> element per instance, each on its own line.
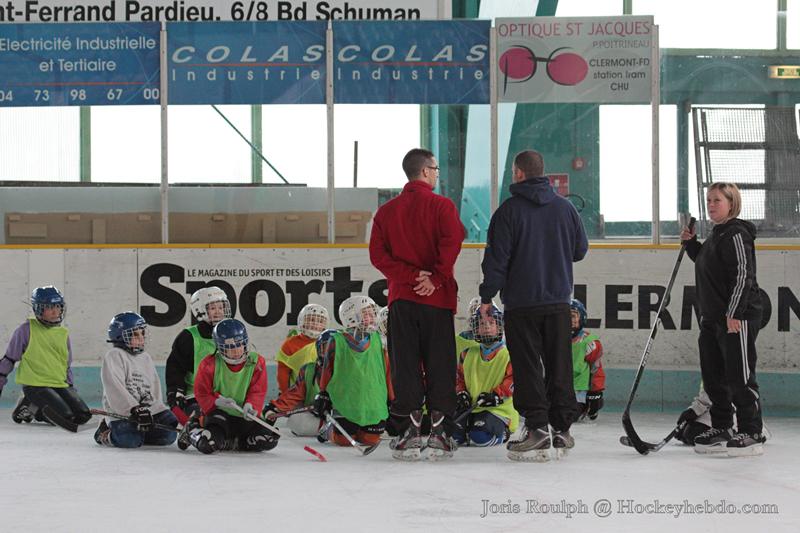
<point x="730" y="314"/>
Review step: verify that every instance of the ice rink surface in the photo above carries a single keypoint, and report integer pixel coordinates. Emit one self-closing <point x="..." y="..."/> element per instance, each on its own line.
<point x="57" y="481"/>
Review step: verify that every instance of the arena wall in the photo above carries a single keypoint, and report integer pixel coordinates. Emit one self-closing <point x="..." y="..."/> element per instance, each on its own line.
<point x="622" y="286"/>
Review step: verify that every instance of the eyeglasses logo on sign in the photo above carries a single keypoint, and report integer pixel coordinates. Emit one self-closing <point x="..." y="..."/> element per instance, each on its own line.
<point x="519" y="63"/>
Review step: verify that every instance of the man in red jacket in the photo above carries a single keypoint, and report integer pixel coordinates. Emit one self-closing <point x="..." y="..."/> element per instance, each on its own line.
<point x="416" y="238"/>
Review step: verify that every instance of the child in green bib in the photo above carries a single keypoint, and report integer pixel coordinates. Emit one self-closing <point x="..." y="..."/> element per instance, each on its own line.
<point x="238" y="374"/>
<point x="485" y="384"/>
<point x="355" y="383"/>
<point x="209" y="306"/>
<point x="41" y="346"/>
<point x="588" y="376"/>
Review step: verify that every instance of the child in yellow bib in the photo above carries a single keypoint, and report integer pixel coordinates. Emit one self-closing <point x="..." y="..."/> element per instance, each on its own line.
<point x="42" y="348"/>
<point x="484" y="385"/>
<point x="300" y="348"/>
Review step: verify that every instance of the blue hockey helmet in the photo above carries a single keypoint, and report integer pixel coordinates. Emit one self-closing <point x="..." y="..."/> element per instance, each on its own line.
<point x="578" y="306"/>
<point x="230" y="335"/>
<point x="122" y="330"/>
<point x="487" y="330"/>
<point x="45" y="298"/>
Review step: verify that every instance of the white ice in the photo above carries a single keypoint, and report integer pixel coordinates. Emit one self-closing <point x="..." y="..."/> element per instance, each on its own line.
<point x="53" y="480"/>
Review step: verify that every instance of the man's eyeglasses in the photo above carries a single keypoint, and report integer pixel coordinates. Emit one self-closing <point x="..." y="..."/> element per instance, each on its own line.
<point x="434" y="168"/>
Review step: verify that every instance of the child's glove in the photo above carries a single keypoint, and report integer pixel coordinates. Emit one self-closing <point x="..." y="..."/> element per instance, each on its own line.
<point x="463" y="401"/>
<point x="489" y="399"/>
<point x="687" y="416"/>
<point x="270" y="413"/>
<point x="176" y="399"/>
<point x="322" y="404"/>
<point x="142" y="417"/>
<point x="249" y="412"/>
<point x="594" y="402"/>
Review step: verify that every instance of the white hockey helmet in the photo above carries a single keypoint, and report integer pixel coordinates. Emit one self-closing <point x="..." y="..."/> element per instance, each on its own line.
<point x="473" y="306"/>
<point x="383" y="321"/>
<point x="312" y="320"/>
<point x="202" y="298"/>
<point x="359" y="314"/>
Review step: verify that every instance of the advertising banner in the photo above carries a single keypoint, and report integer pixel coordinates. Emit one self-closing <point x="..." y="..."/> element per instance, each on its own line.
<point x="79" y="64"/>
<point x="267" y="287"/>
<point x="598" y="60"/>
<point x="411" y="62"/>
<point x="246" y="63"/>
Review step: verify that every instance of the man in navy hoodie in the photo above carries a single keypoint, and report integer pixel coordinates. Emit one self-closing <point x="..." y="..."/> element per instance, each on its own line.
<point x="533" y="239"/>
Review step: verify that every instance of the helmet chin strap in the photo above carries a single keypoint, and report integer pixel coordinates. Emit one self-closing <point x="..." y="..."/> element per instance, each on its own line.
<point x="237" y="361"/>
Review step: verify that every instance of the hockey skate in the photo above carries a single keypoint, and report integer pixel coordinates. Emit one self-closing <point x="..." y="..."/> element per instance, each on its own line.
<point x="532" y="446"/>
<point x="408" y="446"/>
<point x="203" y="440"/>
<point x="22" y="412"/>
<point x="103" y="434"/>
<point x="184" y="436"/>
<point x="562" y="443"/>
<point x="440" y="444"/>
<point x="713" y="441"/>
<point x="745" y="444"/>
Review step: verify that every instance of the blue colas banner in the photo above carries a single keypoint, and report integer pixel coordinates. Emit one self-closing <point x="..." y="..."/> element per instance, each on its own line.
<point x="411" y="62"/>
<point x="246" y="63"/>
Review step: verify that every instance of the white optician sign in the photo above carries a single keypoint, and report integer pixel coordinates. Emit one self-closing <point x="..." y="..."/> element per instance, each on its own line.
<point x="18" y="11"/>
<point x="574" y="60"/>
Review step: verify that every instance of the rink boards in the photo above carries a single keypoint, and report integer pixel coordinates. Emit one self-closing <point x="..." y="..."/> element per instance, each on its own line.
<point x="622" y="286"/>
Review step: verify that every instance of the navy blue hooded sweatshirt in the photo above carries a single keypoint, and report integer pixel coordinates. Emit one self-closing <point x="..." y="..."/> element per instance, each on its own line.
<point x="534" y="237"/>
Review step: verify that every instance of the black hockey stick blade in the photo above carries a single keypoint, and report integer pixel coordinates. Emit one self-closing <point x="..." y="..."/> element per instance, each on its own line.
<point x="56" y="419"/>
<point x="637" y="443"/>
<point x="366" y="450"/>
<point x="625" y="440"/>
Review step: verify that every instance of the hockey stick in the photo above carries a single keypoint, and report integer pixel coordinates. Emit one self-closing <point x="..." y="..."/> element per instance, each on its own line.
<point x="638" y="444"/>
<point x="626" y="441"/>
<point x="118" y="416"/>
<point x="360" y="449"/>
<point x="467" y="412"/>
<point x="228" y="403"/>
<point x="464" y="415"/>
<point x="297" y="410"/>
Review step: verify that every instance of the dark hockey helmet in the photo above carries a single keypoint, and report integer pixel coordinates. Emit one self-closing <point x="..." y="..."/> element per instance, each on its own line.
<point x="487" y="330"/>
<point x="231" y="339"/>
<point x="45" y="298"/>
<point x="578" y="306"/>
<point x="122" y="332"/>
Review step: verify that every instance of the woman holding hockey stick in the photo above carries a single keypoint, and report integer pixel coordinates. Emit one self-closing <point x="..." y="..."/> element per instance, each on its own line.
<point x="730" y="315"/>
<point x="132" y="386"/>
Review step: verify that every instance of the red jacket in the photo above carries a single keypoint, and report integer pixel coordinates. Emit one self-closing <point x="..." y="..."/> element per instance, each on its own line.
<point x="418" y="230"/>
<point x="204" y="391"/>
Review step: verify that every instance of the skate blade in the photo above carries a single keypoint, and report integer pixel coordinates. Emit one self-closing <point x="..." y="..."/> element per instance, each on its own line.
<point x="750" y="451"/>
<point x="560" y="453"/>
<point x="409" y="454"/>
<point x="711" y="450"/>
<point x="533" y="456"/>
<point x="437" y="454"/>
